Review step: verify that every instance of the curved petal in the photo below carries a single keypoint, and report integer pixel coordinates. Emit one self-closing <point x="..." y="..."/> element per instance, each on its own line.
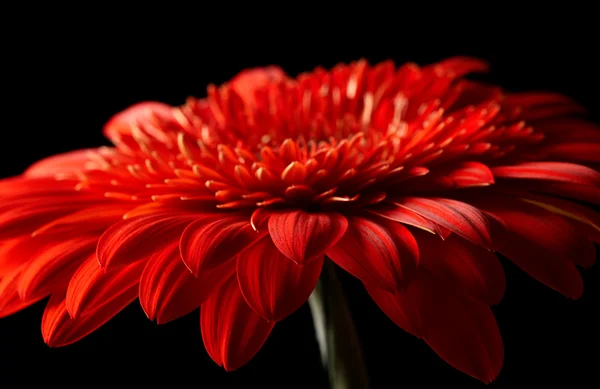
<point x="462" y="266"/>
<point x="369" y="251"/>
<point x="137" y="238"/>
<point x="303" y="236"/>
<point x="273" y="285"/>
<point x="551" y="171"/>
<point x="208" y="244"/>
<point x="461" y="218"/>
<point x="52" y="268"/>
<point x="168" y="290"/>
<point x="460" y="330"/>
<point x="232" y="332"/>
<point x="91" y="288"/>
<point x="406" y="216"/>
<point x="59" y="329"/>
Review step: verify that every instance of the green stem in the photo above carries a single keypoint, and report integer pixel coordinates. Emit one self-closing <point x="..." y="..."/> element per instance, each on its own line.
<point x="338" y="342"/>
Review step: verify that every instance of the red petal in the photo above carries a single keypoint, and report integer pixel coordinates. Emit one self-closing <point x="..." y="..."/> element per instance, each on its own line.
<point x="586" y="220"/>
<point x="369" y="251"/>
<point x="463" y="219"/>
<point x="303" y="236"/>
<point x="168" y="290"/>
<point x="65" y="163"/>
<point x="232" y="332"/>
<point x="91" y="288"/>
<point x="207" y="245"/>
<point x="93" y="219"/>
<point x="552" y="171"/>
<point x="59" y="329"/>
<point x="557" y="237"/>
<point x="460" y="330"/>
<point x="404" y="215"/>
<point x="137" y="116"/>
<point x="273" y="285"/>
<point x="52" y="268"/>
<point x="137" y="238"/>
<point x="25" y="215"/>
<point x="468" y="174"/>
<point x="463" y="266"/>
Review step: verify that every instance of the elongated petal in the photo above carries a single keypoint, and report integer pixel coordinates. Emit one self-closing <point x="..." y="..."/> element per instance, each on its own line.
<point x="52" y="268"/>
<point x="558" y="237"/>
<point x="59" y="329"/>
<point x="303" y="236"/>
<point x="537" y="260"/>
<point x="586" y="220"/>
<point x="458" y="217"/>
<point x="404" y="215"/>
<point x="168" y="290"/>
<point x="460" y="330"/>
<point x="551" y="171"/>
<point x="208" y="244"/>
<point x="137" y="238"/>
<point x="370" y="252"/>
<point x="463" y="266"/>
<point x="91" y="287"/>
<point x="94" y="219"/>
<point x="232" y="332"/>
<point x="273" y="285"/>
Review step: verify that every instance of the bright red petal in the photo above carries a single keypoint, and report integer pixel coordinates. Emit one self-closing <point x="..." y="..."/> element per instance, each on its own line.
<point x="168" y="290"/>
<point x="273" y="285"/>
<point x="208" y="244"/>
<point x="137" y="238"/>
<point x="303" y="236"/>
<point x="59" y="329"/>
<point x="91" y="288"/>
<point x="232" y="332"/>
<point x="458" y="217"/>
<point x="53" y="267"/>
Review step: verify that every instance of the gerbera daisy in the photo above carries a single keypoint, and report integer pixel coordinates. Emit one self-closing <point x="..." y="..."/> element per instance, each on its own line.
<point x="411" y="179"/>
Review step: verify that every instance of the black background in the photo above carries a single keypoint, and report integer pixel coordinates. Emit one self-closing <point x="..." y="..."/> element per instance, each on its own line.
<point x="67" y="73"/>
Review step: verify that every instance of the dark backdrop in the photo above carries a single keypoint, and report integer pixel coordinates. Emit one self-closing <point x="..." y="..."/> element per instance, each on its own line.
<point x="67" y="75"/>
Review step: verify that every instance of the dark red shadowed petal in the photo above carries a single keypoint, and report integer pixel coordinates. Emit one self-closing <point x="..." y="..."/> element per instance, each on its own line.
<point x="461" y="265"/>
<point x="462" y="331"/>
<point x="468" y="174"/>
<point x="137" y="238"/>
<point x="552" y="171"/>
<point x="91" y="288"/>
<point x="537" y="260"/>
<point x="273" y="285"/>
<point x="303" y="236"/>
<point x="370" y="252"/>
<point x="208" y="245"/>
<point x="168" y="290"/>
<point x="585" y="220"/>
<point x="59" y="329"/>
<point x="232" y="332"/>
<point x="458" y="217"/>
<point x="11" y="302"/>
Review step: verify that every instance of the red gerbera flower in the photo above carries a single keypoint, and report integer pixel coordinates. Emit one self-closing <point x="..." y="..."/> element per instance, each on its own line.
<point x="408" y="178"/>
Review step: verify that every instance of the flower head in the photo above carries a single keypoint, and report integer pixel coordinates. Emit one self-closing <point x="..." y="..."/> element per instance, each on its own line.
<point x="408" y="178"/>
